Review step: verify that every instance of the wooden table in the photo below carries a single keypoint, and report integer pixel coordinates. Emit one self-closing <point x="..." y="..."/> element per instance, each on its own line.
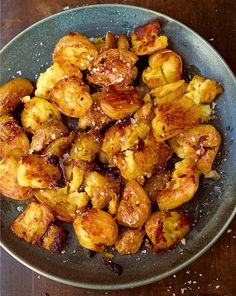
<point x="215" y="272"/>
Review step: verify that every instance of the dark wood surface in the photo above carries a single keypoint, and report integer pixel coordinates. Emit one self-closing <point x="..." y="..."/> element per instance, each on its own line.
<point x="214" y="273"/>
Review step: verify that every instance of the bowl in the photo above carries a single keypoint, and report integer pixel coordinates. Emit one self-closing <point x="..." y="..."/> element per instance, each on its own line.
<point x="211" y="209"/>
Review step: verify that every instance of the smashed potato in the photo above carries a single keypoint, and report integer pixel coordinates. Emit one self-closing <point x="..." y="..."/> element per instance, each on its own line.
<point x="59" y="146"/>
<point x="32" y="223"/>
<point x="200" y="143"/>
<point x="53" y="238"/>
<point x="71" y="96"/>
<point x="182" y="186"/>
<point x="12" y="92"/>
<point x="123" y="42"/>
<point x="166" y="229"/>
<point x="74" y="52"/>
<point x="145" y="39"/>
<point x="13" y="141"/>
<point x="39" y="171"/>
<point x="135" y="207"/>
<point x="37" y="111"/>
<point x="96" y="230"/>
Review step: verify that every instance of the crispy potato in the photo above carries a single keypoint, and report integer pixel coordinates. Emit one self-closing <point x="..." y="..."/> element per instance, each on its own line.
<point x="182" y="186"/>
<point x="203" y="90"/>
<point x="167" y="93"/>
<point x="102" y="188"/>
<point x="200" y="143"/>
<point x="74" y="52"/>
<point x="165" y="229"/>
<point x="174" y="117"/>
<point x="66" y="206"/>
<point x="145" y="39"/>
<point x="109" y="42"/>
<point x="123" y="42"/>
<point x="71" y="96"/>
<point x="156" y="183"/>
<point x="12" y="92"/>
<point x="94" y="118"/>
<point x="86" y="146"/>
<point x="50" y="77"/>
<point x="113" y="204"/>
<point x="39" y="171"/>
<point x="119" y="101"/>
<point x="129" y="241"/>
<point x="32" y="223"/>
<point x="114" y="66"/>
<point x="96" y="230"/>
<point x="8" y="181"/>
<point x="165" y="66"/>
<point x="53" y="238"/>
<point x="13" y="141"/>
<point x="145" y="113"/>
<point x="123" y="136"/>
<point x="135" y="207"/>
<point x="37" y="111"/>
<point x="47" y="133"/>
<point x="143" y="162"/>
<point x="60" y="145"/>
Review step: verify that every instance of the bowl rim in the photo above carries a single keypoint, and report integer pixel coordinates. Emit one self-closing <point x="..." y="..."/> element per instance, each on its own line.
<point x="180" y="266"/>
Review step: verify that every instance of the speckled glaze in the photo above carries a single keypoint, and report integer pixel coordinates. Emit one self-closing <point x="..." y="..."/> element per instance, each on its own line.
<point x="214" y="206"/>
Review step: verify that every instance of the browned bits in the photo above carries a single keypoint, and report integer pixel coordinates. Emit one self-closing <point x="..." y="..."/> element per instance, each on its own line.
<point x="53" y="239"/>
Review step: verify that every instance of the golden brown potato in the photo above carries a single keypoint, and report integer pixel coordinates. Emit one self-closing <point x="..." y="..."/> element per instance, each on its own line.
<point x="203" y="90"/>
<point x="156" y="183"/>
<point x="53" y="238"/>
<point x="174" y="117"/>
<point x="39" y="171"/>
<point x="114" y="66"/>
<point x="109" y="42"/>
<point x="165" y="229"/>
<point x="66" y="206"/>
<point x="8" y="181"/>
<point x="145" y="113"/>
<point x="50" y="77"/>
<point x="74" y="52"/>
<point x="12" y="92"/>
<point x="200" y="143"/>
<point x="145" y="39"/>
<point x="71" y="96"/>
<point x="129" y="241"/>
<point x="60" y="145"/>
<point x="143" y="162"/>
<point x="47" y="133"/>
<point x="167" y="93"/>
<point x="102" y="188"/>
<point x="86" y="146"/>
<point x="94" y="118"/>
<point x="182" y="186"/>
<point x="165" y="66"/>
<point x="119" y="101"/>
<point x="122" y="42"/>
<point x="96" y="230"/>
<point x="13" y="141"/>
<point x="122" y="136"/>
<point x="135" y="207"/>
<point x="32" y="223"/>
<point x="37" y="111"/>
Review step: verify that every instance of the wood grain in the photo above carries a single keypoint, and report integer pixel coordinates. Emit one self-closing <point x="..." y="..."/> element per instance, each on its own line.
<point x="213" y="273"/>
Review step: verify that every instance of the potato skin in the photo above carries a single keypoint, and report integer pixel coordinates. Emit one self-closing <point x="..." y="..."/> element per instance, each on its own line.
<point x="60" y="145"/>
<point x="37" y="111"/>
<point x="12" y="92"/>
<point x="71" y="96"/>
<point x="96" y="230"/>
<point x="32" y="223"/>
<point x="129" y="241"/>
<point x="39" y="171"/>
<point x="165" y="229"/>
<point x="13" y="141"/>
<point x="200" y="143"/>
<point x="53" y="238"/>
<point x="181" y="188"/>
<point x="145" y="39"/>
<point x="135" y="207"/>
<point x="8" y="181"/>
<point x="119" y="101"/>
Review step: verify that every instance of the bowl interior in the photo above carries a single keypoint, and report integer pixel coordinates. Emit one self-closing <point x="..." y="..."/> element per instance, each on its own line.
<point x="211" y="210"/>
